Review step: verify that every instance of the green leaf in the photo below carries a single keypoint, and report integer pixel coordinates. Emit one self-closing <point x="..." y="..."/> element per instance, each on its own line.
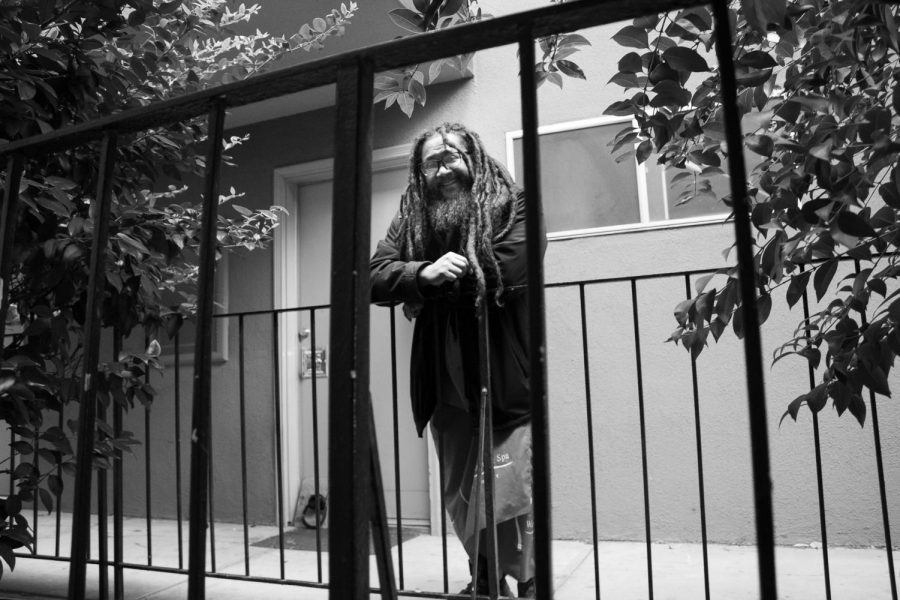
<point x="26" y="89"/>
<point x="817" y="398"/>
<point x="889" y="194"/>
<point x="670" y="94"/>
<point x="895" y="101"/>
<point x="407" y="19"/>
<point x="757" y="59"/>
<point x="763" y="307"/>
<point x="620" y="108"/>
<point x="571" y="69"/>
<point x="760" y="13"/>
<point x="793" y="408"/>
<point x="46" y="499"/>
<point x="406" y="102"/>
<point x="824" y="275"/>
<point x="631" y="37"/>
<point x="631" y="63"/>
<point x="685" y="59"/>
<point x="626" y="80"/>
<point x="8" y="556"/>
<point x="857" y="408"/>
<point x="704" y="304"/>
<point x="852" y="224"/>
<point x="169" y="7"/>
<point x="643" y="151"/>
<point x="823" y="149"/>
<point x="760" y="144"/>
<point x="451" y="7"/>
<point x="751" y="77"/>
<point x="700" y="282"/>
<point x="572" y="39"/>
<point x="797" y="287"/>
<point x="13" y="505"/>
<point x="876" y="119"/>
<point x="646" y="21"/>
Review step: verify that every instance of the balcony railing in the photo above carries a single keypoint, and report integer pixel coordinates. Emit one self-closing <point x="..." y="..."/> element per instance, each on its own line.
<point x="349" y="381"/>
<point x="162" y="496"/>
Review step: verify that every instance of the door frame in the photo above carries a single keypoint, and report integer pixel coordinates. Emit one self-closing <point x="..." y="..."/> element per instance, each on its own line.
<point x="286" y="294"/>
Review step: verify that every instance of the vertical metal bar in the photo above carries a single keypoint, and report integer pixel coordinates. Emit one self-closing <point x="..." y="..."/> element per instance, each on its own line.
<point x="315" y="424"/>
<point x="348" y="456"/>
<point x="102" y="518"/>
<point x="200" y="426"/>
<point x="178" y="508"/>
<point x="381" y="536"/>
<point x="590" y="433"/>
<point x="8" y="219"/>
<point x="396" y="443"/>
<point x="699" y="442"/>
<point x="537" y="327"/>
<point x="243" y="417"/>
<point x="485" y="475"/>
<point x="148" y="485"/>
<point x="12" y="463"/>
<point x="643" y="424"/>
<point x="889" y="549"/>
<point x="59" y="473"/>
<point x="87" y="411"/>
<point x="759" y="436"/>
<point x="35" y="442"/>
<point x="210" y="443"/>
<point x="446" y="570"/>
<point x="879" y="463"/>
<point x="823" y="527"/>
<point x="118" y="493"/>
<point x="279" y="463"/>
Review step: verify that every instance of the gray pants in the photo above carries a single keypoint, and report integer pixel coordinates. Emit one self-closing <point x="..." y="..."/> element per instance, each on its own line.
<point x="457" y="446"/>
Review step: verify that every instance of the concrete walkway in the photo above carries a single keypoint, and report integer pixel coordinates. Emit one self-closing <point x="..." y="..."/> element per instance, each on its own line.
<point x="856" y="574"/>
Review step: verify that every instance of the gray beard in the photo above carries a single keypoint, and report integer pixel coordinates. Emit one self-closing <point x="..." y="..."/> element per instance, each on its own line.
<point x="447" y="215"/>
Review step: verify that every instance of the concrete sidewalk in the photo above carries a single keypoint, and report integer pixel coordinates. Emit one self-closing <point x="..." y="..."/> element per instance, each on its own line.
<point x="856" y="574"/>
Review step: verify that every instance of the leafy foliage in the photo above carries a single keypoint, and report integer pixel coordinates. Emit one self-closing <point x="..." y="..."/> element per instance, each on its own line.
<point x="819" y="95"/>
<point x="67" y="62"/>
<point x="406" y="87"/>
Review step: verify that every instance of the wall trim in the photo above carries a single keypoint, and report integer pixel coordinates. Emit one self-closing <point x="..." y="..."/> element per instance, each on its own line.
<point x="286" y="294"/>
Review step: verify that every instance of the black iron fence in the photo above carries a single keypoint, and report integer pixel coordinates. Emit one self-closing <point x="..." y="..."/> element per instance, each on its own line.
<point x="349" y="453"/>
<point x="145" y="498"/>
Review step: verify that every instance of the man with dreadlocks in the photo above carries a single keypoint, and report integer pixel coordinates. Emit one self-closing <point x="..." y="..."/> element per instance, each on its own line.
<point x="455" y="249"/>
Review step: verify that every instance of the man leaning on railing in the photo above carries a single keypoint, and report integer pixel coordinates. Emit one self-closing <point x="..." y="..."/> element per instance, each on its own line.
<point x="455" y="254"/>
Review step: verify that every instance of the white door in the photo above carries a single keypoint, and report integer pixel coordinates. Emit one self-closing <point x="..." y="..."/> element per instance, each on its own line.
<point x="310" y="223"/>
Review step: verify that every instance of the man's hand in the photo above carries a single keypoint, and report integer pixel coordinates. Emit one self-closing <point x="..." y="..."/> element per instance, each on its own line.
<point x="449" y="267"/>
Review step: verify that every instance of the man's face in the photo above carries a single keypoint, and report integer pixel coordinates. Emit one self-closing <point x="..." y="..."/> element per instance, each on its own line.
<point x="443" y="166"/>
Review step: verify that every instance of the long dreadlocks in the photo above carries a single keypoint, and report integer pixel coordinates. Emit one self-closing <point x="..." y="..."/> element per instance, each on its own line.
<point x="490" y="211"/>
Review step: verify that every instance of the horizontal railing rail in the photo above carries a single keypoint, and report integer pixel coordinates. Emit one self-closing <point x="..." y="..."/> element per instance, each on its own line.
<point x="397" y="53"/>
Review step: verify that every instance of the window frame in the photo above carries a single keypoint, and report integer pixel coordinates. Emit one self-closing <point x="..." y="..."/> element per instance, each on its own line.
<point x="641" y="177"/>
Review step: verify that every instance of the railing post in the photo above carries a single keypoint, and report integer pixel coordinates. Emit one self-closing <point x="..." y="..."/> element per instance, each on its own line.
<point x="200" y="427"/>
<point x="87" y="411"/>
<point x="759" y="436"/>
<point x="8" y="217"/>
<point x="348" y="455"/>
<point x="537" y="348"/>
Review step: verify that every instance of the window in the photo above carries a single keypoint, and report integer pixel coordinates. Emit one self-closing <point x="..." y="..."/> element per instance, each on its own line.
<point x="586" y="192"/>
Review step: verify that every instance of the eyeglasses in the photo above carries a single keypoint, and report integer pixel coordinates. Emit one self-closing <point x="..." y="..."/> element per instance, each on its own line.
<point x="449" y="160"/>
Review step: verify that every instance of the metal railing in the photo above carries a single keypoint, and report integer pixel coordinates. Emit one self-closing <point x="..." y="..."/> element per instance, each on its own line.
<point x="266" y="398"/>
<point x="353" y="73"/>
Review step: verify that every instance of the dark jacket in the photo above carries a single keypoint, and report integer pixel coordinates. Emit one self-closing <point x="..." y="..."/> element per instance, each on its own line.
<point x="444" y="364"/>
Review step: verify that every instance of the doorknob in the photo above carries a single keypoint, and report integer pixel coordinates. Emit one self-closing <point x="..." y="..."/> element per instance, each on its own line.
<point x="303" y="334"/>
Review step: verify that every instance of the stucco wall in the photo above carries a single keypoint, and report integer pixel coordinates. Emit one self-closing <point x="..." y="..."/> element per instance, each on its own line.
<point x="489" y="104"/>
